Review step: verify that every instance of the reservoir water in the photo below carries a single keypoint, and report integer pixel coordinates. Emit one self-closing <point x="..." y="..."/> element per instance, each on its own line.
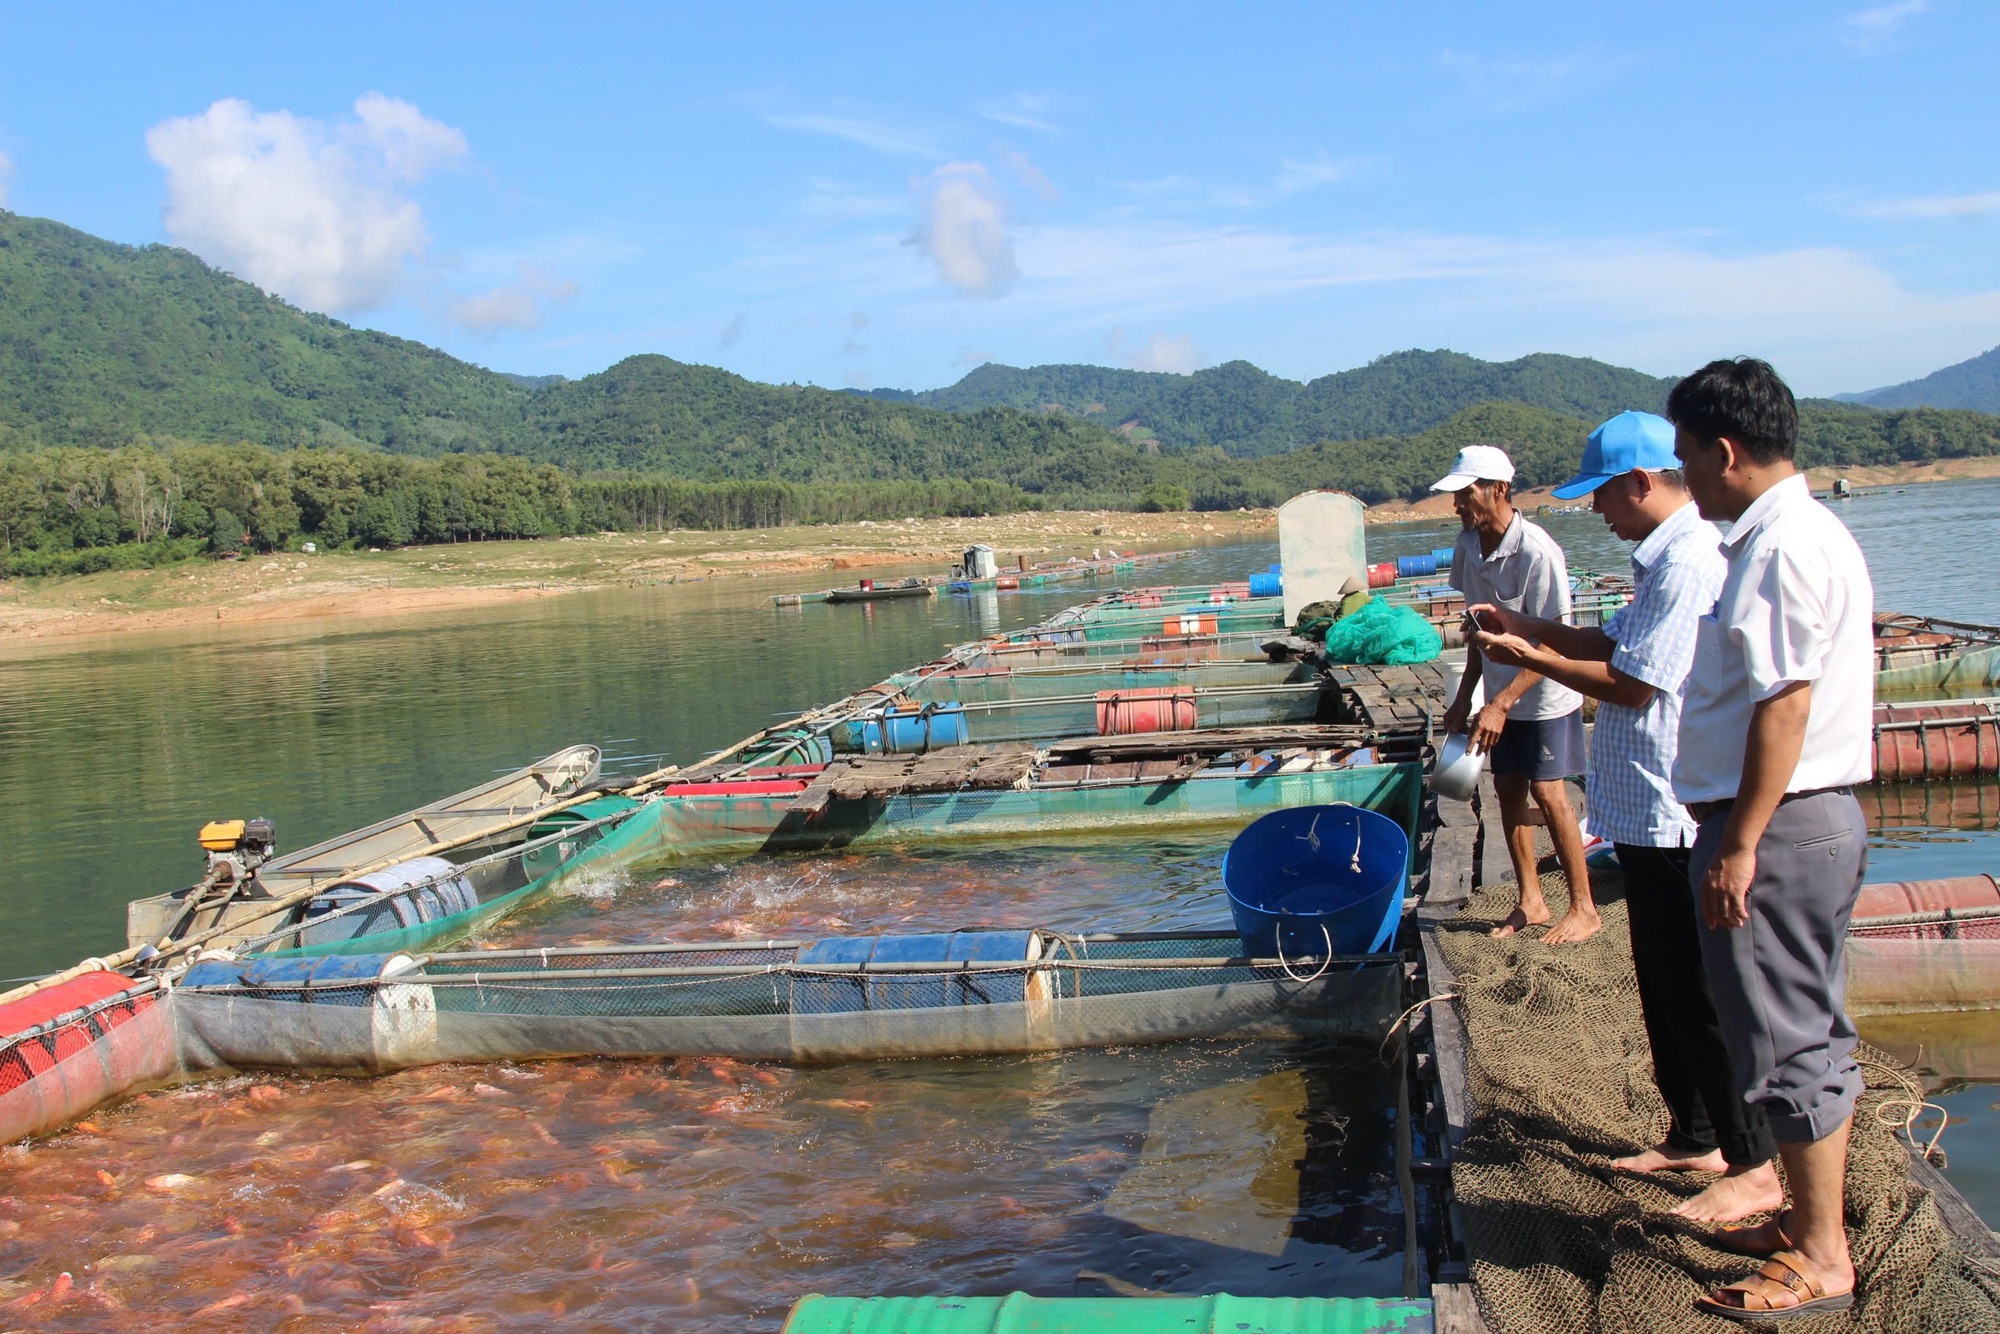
<point x="704" y="1194"/>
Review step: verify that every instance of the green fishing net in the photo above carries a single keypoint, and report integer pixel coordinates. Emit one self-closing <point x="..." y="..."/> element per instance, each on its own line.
<point x="1379" y="633"/>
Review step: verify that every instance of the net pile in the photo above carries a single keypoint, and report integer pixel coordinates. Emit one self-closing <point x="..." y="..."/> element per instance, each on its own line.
<point x="1381" y="634"/>
<point x="1561" y="1082"/>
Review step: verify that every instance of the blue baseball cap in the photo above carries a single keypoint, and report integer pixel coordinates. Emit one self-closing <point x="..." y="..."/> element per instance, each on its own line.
<point x="1631" y="440"/>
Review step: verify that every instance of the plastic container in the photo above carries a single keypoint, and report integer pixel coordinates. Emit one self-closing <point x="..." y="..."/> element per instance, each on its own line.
<point x="388" y="900"/>
<point x="1416" y="567"/>
<point x="911" y="733"/>
<point x="1458" y="769"/>
<point x="1443" y="557"/>
<point x="1266" y="586"/>
<point x="1145" y="709"/>
<point x="1317" y="879"/>
<point x="1382" y="576"/>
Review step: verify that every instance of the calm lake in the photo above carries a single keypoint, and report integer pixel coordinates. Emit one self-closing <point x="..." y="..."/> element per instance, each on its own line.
<point x="697" y="1195"/>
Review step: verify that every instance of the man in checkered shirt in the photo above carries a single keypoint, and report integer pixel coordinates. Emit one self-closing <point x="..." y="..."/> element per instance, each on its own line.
<point x="1636" y="666"/>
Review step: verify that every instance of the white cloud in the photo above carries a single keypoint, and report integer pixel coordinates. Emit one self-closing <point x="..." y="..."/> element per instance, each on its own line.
<point x="964" y="230"/>
<point x="316" y="211"/>
<point x="1926" y="206"/>
<point x="1027" y="172"/>
<point x="1520" y="83"/>
<point x="1306" y="174"/>
<point x="1027" y="111"/>
<point x="1869" y="29"/>
<point x="879" y="135"/>
<point x="6" y="177"/>
<point x="522" y="304"/>
<point x="1175" y="353"/>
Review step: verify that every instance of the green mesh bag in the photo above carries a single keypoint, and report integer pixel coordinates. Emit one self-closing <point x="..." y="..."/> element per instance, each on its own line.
<point x="1380" y="633"/>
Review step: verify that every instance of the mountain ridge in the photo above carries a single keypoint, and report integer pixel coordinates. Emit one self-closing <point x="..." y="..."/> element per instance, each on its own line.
<point x="1972" y="384"/>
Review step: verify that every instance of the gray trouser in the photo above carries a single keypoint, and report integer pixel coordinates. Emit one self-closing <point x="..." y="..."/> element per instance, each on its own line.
<point x="1780" y="982"/>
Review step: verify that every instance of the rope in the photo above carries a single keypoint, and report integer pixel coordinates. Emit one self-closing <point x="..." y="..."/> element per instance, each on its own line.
<point x="1900" y="1114"/>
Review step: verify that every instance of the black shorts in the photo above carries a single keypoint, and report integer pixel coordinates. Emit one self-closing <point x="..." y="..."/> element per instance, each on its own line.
<point x="1541" y="748"/>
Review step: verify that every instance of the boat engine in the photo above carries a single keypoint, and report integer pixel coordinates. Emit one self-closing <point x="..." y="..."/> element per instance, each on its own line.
<point x="235" y="848"/>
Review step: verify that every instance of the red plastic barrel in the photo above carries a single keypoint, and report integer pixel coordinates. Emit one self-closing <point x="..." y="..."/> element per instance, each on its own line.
<point x="1145" y="709"/>
<point x="1007" y="581"/>
<point x="1190" y="623"/>
<point x="1931" y="897"/>
<point x="1921" y="741"/>
<point x="737" y="787"/>
<point x="1381" y="576"/>
<point x="60" y="1073"/>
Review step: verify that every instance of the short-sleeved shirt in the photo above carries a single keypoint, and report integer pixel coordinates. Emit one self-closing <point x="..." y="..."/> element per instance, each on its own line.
<point x="1677" y="573"/>
<point x="1796" y="605"/>
<point x="1525" y="573"/>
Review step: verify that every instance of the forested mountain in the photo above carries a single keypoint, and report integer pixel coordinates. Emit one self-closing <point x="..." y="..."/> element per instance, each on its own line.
<point x="100" y="343"/>
<point x="1973" y="384"/>
<point x="1248" y="412"/>
<point x="104" y="344"/>
<point x="150" y="405"/>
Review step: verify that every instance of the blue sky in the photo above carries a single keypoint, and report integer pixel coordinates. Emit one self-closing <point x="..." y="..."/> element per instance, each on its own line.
<point x="879" y="195"/>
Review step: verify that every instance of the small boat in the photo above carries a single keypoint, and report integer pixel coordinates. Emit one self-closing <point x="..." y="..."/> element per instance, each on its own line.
<point x="870" y="591"/>
<point x="850" y="998"/>
<point x="445" y="848"/>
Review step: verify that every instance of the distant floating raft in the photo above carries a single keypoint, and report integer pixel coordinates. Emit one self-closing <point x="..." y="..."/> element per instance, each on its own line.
<point x="953" y="994"/>
<point x="1925" y="946"/>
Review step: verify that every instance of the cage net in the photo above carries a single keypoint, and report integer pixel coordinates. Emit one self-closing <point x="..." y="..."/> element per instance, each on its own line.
<point x="760" y="1003"/>
<point x="1561" y="1082"/>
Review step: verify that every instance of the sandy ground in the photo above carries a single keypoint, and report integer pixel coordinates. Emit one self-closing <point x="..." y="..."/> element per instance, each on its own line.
<point x="293" y="586"/>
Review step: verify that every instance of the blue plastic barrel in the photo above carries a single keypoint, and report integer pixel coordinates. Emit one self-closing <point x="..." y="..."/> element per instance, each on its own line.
<point x="299" y="980"/>
<point x="1266" y="586"/>
<point x="842" y="993"/>
<point x="936" y="725"/>
<point x="1416" y="567"/>
<point x="1298" y="879"/>
<point x="1443" y="557"/>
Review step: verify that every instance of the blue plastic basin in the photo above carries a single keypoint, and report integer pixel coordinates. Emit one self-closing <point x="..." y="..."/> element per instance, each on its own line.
<point x="1302" y="879"/>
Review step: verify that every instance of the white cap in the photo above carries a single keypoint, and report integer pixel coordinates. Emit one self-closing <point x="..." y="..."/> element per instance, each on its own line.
<point x="1477" y="463"/>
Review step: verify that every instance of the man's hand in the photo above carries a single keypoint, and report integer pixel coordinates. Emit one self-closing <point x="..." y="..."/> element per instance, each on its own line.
<point x="1725" y="890"/>
<point x="1508" y="650"/>
<point x="1454" y="718"/>
<point x="1499" y="620"/>
<point x="1486" y="728"/>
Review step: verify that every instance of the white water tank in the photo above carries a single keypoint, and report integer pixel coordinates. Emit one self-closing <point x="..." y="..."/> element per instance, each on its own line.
<point x="980" y="562"/>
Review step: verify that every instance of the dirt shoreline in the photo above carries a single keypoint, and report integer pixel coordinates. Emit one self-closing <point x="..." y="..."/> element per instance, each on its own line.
<point x="291" y="586"/>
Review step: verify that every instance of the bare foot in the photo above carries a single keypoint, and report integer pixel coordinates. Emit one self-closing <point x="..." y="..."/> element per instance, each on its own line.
<point x="1763" y="1239"/>
<point x="1521" y="919"/>
<point x="1739" y="1194"/>
<point x="1575" y="926"/>
<point x="1666" y="1158"/>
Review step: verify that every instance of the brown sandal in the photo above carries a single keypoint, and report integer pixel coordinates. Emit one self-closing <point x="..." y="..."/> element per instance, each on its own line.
<point x="1786" y="1271"/>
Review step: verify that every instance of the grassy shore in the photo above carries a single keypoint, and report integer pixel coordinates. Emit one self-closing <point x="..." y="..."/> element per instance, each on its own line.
<point x="292" y="586"/>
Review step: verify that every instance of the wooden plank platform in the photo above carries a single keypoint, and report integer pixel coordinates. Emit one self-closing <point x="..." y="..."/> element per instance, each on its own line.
<point x="1394" y="699"/>
<point x="1208" y="741"/>
<point x="951" y="769"/>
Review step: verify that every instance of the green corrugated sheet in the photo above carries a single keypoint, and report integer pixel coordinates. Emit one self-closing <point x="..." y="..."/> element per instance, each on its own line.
<point x="1019" y="1313"/>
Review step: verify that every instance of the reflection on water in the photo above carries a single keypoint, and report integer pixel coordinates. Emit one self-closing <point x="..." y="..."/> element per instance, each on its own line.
<point x="1927" y="831"/>
<point x="1959" y="1057"/>
<point x="704" y="1194"/>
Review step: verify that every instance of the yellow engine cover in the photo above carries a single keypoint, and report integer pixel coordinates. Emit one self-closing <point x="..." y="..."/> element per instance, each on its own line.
<point x="221" y="835"/>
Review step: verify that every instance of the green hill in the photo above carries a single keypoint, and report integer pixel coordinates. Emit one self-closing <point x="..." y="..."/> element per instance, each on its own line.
<point x="1249" y="412"/>
<point x="101" y="342"/>
<point x="1973" y="384"/>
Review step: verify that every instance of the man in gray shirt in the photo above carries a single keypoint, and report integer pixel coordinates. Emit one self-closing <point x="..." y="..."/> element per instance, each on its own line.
<point x="1531" y="727"/>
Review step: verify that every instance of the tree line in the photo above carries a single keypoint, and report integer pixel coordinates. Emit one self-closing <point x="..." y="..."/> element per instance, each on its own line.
<point x="75" y="510"/>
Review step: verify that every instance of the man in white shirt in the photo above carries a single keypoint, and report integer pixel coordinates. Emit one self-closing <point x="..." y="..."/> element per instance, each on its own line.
<point x="1776" y="728"/>
<point x="1531" y="728"/>
<point x="1636" y="665"/>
